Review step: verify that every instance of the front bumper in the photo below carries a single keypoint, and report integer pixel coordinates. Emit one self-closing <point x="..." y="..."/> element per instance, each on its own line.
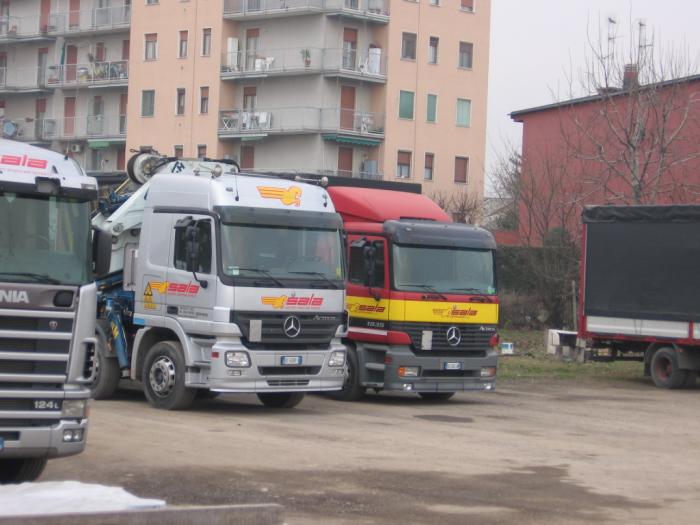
<point x="267" y="373"/>
<point x="433" y="377"/>
<point x="42" y="442"/>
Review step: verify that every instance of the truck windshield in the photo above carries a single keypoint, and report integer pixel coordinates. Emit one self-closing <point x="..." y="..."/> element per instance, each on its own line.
<point x="277" y="254"/>
<point x="44" y="239"/>
<point x="443" y="270"/>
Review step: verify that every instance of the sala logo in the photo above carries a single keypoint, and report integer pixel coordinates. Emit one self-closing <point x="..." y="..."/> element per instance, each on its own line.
<point x="14" y="296"/>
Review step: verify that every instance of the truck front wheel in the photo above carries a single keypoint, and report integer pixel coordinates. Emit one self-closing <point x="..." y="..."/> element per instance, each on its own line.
<point x="665" y="371"/>
<point x="21" y="470"/>
<point x="163" y="377"/>
<point x="352" y="389"/>
<point x="281" y="399"/>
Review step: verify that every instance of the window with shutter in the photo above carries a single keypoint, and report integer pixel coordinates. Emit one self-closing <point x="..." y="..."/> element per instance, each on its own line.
<point x="406" y="104"/>
<point x="403" y="165"/>
<point x="464" y="112"/>
<point x="429" y="161"/>
<point x="432" y="108"/>
<point x="461" y="169"/>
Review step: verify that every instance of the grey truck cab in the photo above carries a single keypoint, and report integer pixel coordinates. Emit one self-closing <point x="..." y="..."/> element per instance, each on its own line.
<point x="237" y="284"/>
<point x="47" y="305"/>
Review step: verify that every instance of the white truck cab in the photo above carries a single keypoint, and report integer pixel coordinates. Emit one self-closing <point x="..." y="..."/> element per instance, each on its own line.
<point x="47" y="305"/>
<point x="237" y="283"/>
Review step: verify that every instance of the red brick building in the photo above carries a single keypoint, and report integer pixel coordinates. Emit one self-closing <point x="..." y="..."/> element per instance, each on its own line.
<point x="639" y="144"/>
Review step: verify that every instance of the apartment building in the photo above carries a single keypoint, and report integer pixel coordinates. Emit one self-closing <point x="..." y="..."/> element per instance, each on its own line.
<point x="392" y="89"/>
<point x="64" y="70"/>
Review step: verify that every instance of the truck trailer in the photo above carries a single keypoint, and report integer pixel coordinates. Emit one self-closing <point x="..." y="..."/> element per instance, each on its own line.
<point x="220" y="282"/>
<point x="422" y="294"/>
<point x="47" y="308"/>
<point x="640" y="289"/>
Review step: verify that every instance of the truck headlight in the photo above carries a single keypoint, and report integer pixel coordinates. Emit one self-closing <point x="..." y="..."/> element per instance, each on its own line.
<point x="74" y="408"/>
<point x="237" y="359"/>
<point x="488" y="371"/>
<point x="337" y="358"/>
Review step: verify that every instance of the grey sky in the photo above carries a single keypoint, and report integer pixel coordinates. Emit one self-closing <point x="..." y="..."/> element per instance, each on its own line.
<point x="535" y="43"/>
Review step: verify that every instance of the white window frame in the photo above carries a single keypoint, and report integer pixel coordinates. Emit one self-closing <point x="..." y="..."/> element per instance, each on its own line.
<point x="469" y="120"/>
<point x="153" y="105"/>
<point x="211" y="37"/>
<point x="179" y="44"/>
<point x="155" y="48"/>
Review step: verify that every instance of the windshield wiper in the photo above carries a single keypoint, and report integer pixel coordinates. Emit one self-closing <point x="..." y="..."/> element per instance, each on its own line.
<point x="335" y="286"/>
<point x="38" y="277"/>
<point x="266" y="274"/>
<point x="473" y="291"/>
<point x="428" y="288"/>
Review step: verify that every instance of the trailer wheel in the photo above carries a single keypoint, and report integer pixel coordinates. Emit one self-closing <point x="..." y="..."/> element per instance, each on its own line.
<point x="352" y="390"/>
<point x="107" y="375"/>
<point x="665" y="371"/>
<point x="163" y="377"/>
<point x="436" y="396"/>
<point x="21" y="470"/>
<point x="281" y="399"/>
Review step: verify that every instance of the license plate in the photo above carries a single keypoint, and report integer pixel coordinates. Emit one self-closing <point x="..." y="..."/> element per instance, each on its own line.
<point x="291" y="360"/>
<point x="452" y="366"/>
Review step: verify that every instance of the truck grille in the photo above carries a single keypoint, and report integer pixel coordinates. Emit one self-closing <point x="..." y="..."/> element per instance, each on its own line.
<point x="474" y="341"/>
<point x="34" y="354"/>
<point x="317" y="330"/>
<point x="289" y="370"/>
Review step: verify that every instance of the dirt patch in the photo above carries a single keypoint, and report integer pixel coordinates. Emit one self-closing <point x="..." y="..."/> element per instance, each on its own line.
<point x="439" y="418"/>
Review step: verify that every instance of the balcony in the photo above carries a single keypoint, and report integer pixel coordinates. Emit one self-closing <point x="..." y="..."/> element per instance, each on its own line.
<point x="29" y="130"/>
<point x="104" y="127"/>
<point x="101" y="20"/>
<point x="23" y="80"/>
<point x="336" y="122"/>
<point x="261" y="64"/>
<point x="94" y="75"/>
<point x="24" y="29"/>
<point x="349" y="63"/>
<point x="369" y="10"/>
<point x="256" y="9"/>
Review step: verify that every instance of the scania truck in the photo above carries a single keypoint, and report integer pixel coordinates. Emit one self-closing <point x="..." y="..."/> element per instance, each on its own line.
<point x="421" y="294"/>
<point x="47" y="308"/>
<point x="220" y="282"/>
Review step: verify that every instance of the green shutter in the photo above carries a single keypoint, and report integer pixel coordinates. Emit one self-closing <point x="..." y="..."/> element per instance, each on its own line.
<point x="432" y="108"/>
<point x="406" y="104"/>
<point x="464" y="110"/>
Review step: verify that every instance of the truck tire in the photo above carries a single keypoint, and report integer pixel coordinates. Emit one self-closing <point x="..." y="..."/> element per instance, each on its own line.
<point x="281" y="399"/>
<point x="107" y="375"/>
<point x="21" y="470"/>
<point x="352" y="389"/>
<point x="436" y="396"/>
<point x="665" y="371"/>
<point x="163" y="377"/>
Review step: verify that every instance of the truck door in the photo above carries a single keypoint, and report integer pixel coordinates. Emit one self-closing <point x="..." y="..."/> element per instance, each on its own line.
<point x="191" y="296"/>
<point x="367" y="297"/>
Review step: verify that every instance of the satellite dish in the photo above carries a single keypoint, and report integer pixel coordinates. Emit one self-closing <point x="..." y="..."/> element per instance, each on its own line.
<point x="9" y="129"/>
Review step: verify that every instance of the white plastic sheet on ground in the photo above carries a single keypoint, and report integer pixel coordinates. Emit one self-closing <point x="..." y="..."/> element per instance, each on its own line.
<point x="68" y="497"/>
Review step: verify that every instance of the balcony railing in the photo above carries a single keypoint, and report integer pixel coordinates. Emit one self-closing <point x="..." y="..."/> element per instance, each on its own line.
<point x="274" y="61"/>
<point x="368" y="64"/>
<point x="23" y="27"/>
<point x="28" y="130"/>
<point x="270" y="7"/>
<point x="237" y="122"/>
<point x="91" y="127"/>
<point x="100" y="19"/>
<point x="370" y="9"/>
<point x="23" y="79"/>
<point x="92" y="74"/>
<point x="295" y="61"/>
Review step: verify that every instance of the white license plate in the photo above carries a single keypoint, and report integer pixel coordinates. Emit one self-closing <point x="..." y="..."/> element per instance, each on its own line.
<point x="452" y="366"/>
<point x="291" y="360"/>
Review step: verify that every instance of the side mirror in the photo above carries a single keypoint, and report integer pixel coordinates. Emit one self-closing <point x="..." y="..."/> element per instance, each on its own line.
<point x="192" y="248"/>
<point x="101" y="252"/>
<point x="370" y="256"/>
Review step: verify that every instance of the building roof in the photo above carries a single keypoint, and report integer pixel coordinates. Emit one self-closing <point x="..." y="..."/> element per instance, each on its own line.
<point x="516" y="115"/>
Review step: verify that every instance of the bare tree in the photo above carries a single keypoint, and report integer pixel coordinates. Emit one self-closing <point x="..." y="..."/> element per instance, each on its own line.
<point x="467" y="207"/>
<point x="640" y="134"/>
<point x="442" y="199"/>
<point x="505" y="180"/>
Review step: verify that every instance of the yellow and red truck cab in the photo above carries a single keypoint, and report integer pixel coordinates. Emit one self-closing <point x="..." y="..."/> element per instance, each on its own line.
<point x="421" y="294"/>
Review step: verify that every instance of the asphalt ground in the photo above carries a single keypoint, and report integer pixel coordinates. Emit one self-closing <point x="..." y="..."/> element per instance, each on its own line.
<point x="597" y="451"/>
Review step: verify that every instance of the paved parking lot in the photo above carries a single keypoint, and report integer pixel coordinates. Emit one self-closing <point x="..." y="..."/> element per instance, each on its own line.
<point x="562" y="452"/>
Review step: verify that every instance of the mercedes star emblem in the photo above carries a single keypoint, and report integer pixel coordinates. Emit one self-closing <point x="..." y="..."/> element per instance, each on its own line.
<point x="292" y="326"/>
<point x="454" y="336"/>
<point x="53" y="325"/>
